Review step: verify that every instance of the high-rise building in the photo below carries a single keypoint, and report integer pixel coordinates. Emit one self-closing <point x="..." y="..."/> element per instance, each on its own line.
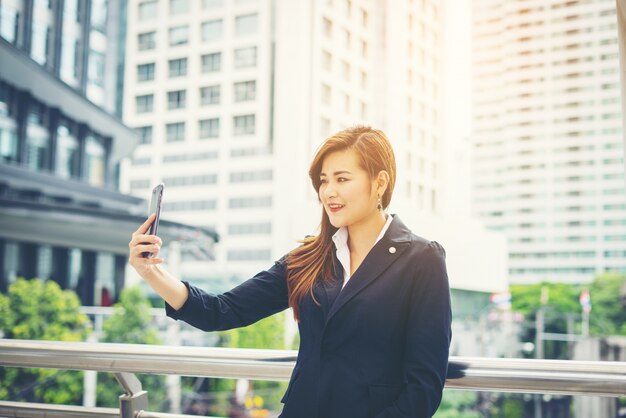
<point x="232" y="98"/>
<point x="61" y="216"/>
<point x="547" y="136"/>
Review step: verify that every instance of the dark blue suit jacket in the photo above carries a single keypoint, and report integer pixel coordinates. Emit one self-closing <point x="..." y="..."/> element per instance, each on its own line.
<point x="378" y="348"/>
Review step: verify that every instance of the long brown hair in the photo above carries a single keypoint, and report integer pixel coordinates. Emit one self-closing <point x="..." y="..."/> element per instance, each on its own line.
<point x="313" y="260"/>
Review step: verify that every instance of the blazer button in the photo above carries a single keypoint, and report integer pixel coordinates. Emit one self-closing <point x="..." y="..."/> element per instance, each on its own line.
<point x="392" y="250"/>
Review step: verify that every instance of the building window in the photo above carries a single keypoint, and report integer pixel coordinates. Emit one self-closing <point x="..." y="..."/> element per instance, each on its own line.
<point x="70" y="48"/>
<point x="209" y="128"/>
<point x="190" y="180"/>
<point x="95" y="72"/>
<point x="8" y="125"/>
<point x="8" y="141"/>
<point x="251" y="255"/>
<point x="244" y="125"/>
<point x="250" y="176"/>
<point x="146" y="41"/>
<point x="147" y="10"/>
<point x="145" y="134"/>
<point x="39" y="42"/>
<point x="345" y="69"/>
<point x="347" y="38"/>
<point x="178" y="67"/>
<point x="245" y="57"/>
<point x="326" y="94"/>
<point x="139" y="184"/>
<point x="212" y="62"/>
<point x="145" y="103"/>
<point x="250" y="202"/>
<point x="212" y="4"/>
<point x="37" y="140"/>
<point x="327" y="26"/>
<point x="95" y="160"/>
<point x="250" y="228"/>
<point x="179" y="35"/>
<point x="175" y="132"/>
<point x="145" y="72"/>
<point x="190" y="205"/>
<point x="324" y="127"/>
<point x="245" y="91"/>
<point x="176" y="99"/>
<point x="212" y="30"/>
<point x="9" y="19"/>
<point x="327" y="60"/>
<point x="209" y="95"/>
<point x="67" y="152"/>
<point x="246" y="25"/>
<point x="99" y="15"/>
<point x="179" y="6"/>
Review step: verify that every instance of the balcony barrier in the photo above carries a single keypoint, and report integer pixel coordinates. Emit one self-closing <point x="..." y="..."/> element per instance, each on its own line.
<point x="588" y="378"/>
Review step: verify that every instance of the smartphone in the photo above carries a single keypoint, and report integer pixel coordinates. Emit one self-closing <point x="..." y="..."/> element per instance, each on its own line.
<point x="155" y="207"/>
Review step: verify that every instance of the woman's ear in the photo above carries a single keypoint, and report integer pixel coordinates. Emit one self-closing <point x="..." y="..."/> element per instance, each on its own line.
<point x="382" y="181"/>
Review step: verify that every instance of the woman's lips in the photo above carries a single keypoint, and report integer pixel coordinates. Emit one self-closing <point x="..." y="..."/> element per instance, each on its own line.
<point x="335" y="208"/>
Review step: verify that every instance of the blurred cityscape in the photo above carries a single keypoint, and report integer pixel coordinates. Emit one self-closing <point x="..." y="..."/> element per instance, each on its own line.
<point x="505" y="117"/>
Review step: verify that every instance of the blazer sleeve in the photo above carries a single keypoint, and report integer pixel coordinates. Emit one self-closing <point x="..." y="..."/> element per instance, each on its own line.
<point x="263" y="295"/>
<point x="428" y="340"/>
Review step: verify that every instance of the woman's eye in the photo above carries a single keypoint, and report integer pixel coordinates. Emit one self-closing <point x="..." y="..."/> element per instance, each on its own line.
<point x="323" y="180"/>
<point x="341" y="179"/>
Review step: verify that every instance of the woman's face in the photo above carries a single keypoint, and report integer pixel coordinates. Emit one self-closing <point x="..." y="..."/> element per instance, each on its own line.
<point x="346" y="191"/>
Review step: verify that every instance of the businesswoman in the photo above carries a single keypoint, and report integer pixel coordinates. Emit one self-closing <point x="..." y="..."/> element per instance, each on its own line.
<point x="371" y="298"/>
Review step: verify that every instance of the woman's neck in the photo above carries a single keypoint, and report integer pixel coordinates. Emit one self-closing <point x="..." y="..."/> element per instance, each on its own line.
<point x="362" y="236"/>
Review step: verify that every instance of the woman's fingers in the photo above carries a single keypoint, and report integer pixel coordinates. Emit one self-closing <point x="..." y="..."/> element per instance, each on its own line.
<point x="144" y="227"/>
<point x="144" y="239"/>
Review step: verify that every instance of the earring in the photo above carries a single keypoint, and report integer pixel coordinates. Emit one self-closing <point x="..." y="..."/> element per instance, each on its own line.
<point x="380" y="204"/>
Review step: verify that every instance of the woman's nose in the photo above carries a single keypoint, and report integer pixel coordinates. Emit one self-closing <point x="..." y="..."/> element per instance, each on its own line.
<point x="329" y="191"/>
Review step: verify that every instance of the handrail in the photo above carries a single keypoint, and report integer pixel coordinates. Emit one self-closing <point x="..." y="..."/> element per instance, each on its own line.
<point x="595" y="378"/>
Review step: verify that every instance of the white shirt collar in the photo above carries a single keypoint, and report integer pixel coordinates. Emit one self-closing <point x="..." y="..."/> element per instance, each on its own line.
<point x="340" y="238"/>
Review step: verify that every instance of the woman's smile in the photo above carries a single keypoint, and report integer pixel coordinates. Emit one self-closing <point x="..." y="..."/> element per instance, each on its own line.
<point x="335" y="207"/>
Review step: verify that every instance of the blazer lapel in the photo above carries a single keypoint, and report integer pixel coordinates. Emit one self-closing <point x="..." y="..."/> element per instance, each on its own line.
<point x="398" y="237"/>
<point x="332" y="288"/>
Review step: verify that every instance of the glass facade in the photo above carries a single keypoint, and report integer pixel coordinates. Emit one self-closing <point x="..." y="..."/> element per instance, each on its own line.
<point x="67" y="152"/>
<point x="37" y="139"/>
<point x="95" y="160"/>
<point x="10" y="13"/>
<point x="8" y="126"/>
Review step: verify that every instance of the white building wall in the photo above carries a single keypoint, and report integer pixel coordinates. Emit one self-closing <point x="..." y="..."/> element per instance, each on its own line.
<point x="547" y="136"/>
<point x="322" y="66"/>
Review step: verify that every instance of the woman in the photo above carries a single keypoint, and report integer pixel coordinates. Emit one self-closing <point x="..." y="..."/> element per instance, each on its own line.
<point x="371" y="298"/>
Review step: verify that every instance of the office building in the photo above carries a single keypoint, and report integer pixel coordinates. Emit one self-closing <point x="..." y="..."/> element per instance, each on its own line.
<point x="61" y="216"/>
<point x="547" y="136"/>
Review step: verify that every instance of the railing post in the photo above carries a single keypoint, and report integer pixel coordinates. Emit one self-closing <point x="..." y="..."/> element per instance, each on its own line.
<point x="134" y="398"/>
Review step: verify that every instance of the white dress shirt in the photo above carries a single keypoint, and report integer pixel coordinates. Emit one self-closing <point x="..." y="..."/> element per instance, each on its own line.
<point x="340" y="238"/>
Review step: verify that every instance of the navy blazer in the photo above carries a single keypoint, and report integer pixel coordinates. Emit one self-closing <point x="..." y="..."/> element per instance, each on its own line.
<point x="378" y="348"/>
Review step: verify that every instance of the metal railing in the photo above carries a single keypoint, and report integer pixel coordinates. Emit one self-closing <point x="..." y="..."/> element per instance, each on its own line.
<point x="591" y="378"/>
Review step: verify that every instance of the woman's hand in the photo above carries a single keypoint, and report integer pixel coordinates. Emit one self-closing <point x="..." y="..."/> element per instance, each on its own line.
<point x="141" y="243"/>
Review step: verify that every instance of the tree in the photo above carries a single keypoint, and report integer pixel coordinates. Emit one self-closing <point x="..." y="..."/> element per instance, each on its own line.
<point x="41" y="310"/>
<point x="130" y="324"/>
<point x="267" y="333"/>
<point x="562" y="300"/>
<point x="458" y="404"/>
<point x="608" y="315"/>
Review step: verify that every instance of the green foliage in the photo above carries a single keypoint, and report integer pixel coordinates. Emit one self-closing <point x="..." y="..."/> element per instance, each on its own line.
<point x="268" y="333"/>
<point x="38" y="310"/>
<point x="563" y="298"/>
<point x="130" y="324"/>
<point x="458" y="404"/>
<point x="608" y="315"/>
